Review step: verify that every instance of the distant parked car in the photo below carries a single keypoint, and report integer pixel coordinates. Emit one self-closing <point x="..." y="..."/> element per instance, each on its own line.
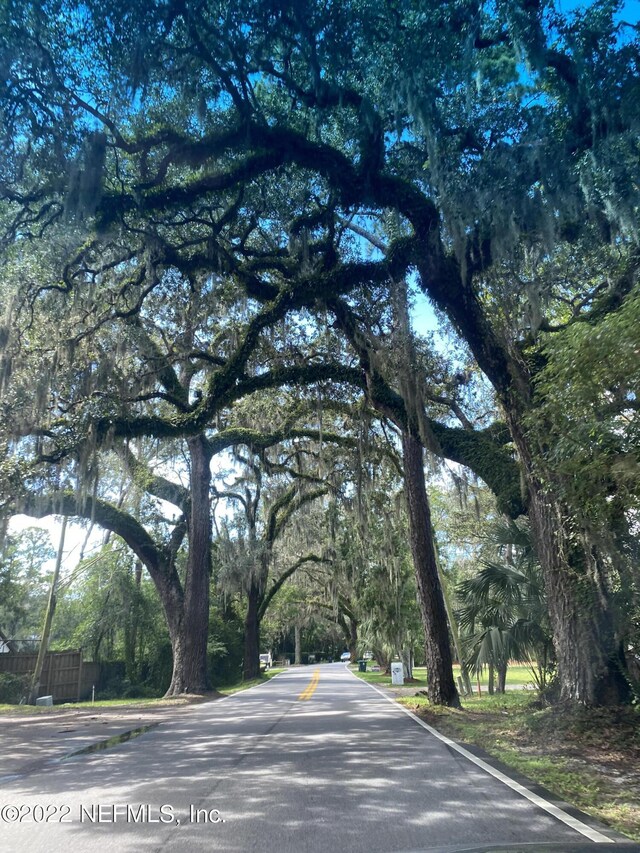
<point x="345" y="657"/>
<point x="367" y="656"/>
<point x="266" y="660"/>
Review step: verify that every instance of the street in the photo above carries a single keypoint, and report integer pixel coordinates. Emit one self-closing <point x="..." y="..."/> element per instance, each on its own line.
<point x="314" y="760"/>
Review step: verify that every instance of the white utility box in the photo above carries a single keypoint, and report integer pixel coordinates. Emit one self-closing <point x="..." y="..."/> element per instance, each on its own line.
<point x="397" y="676"/>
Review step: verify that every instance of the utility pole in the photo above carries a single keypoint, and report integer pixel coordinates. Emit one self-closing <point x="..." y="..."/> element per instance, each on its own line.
<point x="48" y="618"/>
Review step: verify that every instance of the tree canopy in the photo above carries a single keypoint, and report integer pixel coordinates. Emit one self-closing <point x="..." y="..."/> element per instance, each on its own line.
<point x="203" y="202"/>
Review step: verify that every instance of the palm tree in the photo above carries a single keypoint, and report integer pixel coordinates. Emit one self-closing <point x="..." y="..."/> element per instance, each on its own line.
<point x="503" y="613"/>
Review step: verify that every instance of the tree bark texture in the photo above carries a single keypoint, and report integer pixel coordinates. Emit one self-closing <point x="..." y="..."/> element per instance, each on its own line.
<point x="251" y="667"/>
<point x="591" y="666"/>
<point x="197" y="580"/>
<point x="353" y="638"/>
<point x="188" y="613"/>
<point x="172" y="599"/>
<point x="297" y="658"/>
<point x="441" y="688"/>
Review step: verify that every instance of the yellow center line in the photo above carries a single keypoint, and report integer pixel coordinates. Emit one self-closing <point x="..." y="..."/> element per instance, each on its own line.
<point x="310" y="689"/>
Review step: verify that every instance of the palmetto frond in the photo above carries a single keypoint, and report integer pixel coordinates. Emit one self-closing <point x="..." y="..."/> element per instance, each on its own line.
<point x="515" y="534"/>
<point x="502" y="611"/>
<point x="495" y="581"/>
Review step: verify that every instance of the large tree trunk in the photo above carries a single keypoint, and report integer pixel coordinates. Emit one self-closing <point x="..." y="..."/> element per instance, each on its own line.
<point x="172" y="599"/>
<point x="157" y="560"/>
<point x="353" y="638"/>
<point x="187" y="613"/>
<point x="382" y="659"/>
<point x="441" y="688"/>
<point x="297" y="657"/>
<point x="167" y="584"/>
<point x="591" y="664"/>
<point x="251" y="668"/>
<point x="198" y="576"/>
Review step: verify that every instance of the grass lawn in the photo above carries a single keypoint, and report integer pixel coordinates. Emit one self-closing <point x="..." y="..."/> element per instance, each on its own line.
<point x="381" y="678"/>
<point x="517" y="675"/>
<point x="99" y="703"/>
<point x="590" y="758"/>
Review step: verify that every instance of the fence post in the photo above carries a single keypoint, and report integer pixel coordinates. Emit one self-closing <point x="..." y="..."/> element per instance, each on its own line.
<point x="80" y="676"/>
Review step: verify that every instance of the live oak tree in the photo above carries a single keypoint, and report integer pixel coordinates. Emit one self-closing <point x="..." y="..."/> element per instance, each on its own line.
<point x="247" y="555"/>
<point x="286" y="494"/>
<point x="98" y="397"/>
<point x="141" y="134"/>
<point x="588" y="399"/>
<point x="156" y="546"/>
<point x="122" y="362"/>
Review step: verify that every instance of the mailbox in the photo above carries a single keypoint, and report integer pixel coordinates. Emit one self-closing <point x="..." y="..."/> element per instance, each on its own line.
<point x="397" y="676"/>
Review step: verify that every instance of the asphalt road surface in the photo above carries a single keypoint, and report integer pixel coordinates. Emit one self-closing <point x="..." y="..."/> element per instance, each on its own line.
<point x="314" y="760"/>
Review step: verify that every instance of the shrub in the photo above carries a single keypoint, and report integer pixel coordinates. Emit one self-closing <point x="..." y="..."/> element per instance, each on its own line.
<point x="13" y="688"/>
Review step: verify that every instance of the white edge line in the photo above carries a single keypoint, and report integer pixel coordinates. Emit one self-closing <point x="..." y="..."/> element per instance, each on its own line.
<point x="557" y="812"/>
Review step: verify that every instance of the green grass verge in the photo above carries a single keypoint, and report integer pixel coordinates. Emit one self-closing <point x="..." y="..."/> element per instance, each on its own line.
<point x="381" y="678"/>
<point x="589" y="758"/>
<point x="99" y="703"/>
<point x="28" y="710"/>
<point x="517" y="675"/>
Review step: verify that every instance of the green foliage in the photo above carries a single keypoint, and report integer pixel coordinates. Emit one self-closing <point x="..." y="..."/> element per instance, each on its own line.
<point x="588" y="402"/>
<point x="13" y="688"/>
<point x="374" y="570"/>
<point x="225" y="647"/>
<point x="586" y="418"/>
<point x="463" y="510"/>
<point x="111" y="612"/>
<point x="23" y="583"/>
<point x="503" y="611"/>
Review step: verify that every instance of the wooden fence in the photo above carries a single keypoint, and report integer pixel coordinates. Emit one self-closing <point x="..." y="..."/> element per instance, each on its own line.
<point x="65" y="676"/>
